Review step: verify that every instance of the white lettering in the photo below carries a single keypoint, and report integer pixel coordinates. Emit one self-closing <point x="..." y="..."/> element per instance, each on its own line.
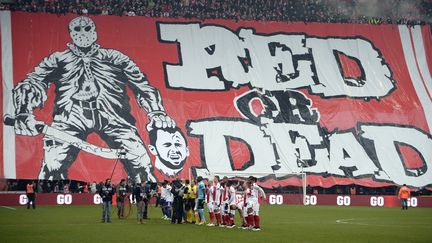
<point x="214" y="135"/>
<point x="394" y="168"/>
<point x="97" y="199"/>
<point x="212" y="56"/>
<point x="276" y="199"/>
<point x="376" y="201"/>
<point x="23" y="199"/>
<point x="376" y="80"/>
<point x="64" y="199"/>
<point x="310" y="200"/>
<point x="343" y="200"/>
<point x="272" y="199"/>
<point x="348" y="157"/>
<point x="412" y="202"/>
<point x="279" y="199"/>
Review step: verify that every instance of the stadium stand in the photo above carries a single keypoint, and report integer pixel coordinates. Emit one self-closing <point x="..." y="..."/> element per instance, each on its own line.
<point x="332" y="11"/>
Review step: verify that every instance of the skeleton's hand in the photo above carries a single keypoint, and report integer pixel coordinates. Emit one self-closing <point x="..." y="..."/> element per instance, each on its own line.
<point x="26" y="97"/>
<point x="54" y="165"/>
<point x="160" y="120"/>
<point x="25" y="124"/>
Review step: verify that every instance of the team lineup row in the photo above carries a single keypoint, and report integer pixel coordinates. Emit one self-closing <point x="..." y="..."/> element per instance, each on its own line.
<point x="184" y="202"/>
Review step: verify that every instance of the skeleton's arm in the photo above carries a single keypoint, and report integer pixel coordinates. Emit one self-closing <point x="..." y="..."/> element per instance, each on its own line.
<point x="30" y="94"/>
<point x="148" y="97"/>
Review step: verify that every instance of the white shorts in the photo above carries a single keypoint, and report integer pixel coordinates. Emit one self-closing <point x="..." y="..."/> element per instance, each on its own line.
<point x="216" y="208"/>
<point x="196" y="205"/>
<point x="211" y="207"/>
<point x="248" y="208"/>
<point x="240" y="205"/>
<point x="243" y="208"/>
<point x="255" y="207"/>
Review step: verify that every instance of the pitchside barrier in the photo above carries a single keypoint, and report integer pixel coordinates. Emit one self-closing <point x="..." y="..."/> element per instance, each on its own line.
<point x="17" y="199"/>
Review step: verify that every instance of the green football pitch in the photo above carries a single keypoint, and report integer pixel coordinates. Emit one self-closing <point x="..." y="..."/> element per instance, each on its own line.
<point x="279" y="224"/>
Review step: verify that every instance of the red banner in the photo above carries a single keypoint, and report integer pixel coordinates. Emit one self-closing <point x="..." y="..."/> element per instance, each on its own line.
<point x="16" y="199"/>
<point x="155" y="99"/>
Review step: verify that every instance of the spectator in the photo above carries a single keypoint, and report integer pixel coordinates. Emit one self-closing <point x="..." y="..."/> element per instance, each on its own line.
<point x="106" y="192"/>
<point x="85" y="188"/>
<point x="93" y="188"/>
<point x="40" y="187"/>
<point x="353" y="190"/>
<point x="4" y="184"/>
<point x="66" y="188"/>
<point x="390" y="11"/>
<point x="57" y="187"/>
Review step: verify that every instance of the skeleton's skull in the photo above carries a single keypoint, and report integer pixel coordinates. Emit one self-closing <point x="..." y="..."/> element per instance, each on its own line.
<point x="83" y="31"/>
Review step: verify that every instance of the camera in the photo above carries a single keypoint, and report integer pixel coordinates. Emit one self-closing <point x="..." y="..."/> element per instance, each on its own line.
<point x="153" y="185"/>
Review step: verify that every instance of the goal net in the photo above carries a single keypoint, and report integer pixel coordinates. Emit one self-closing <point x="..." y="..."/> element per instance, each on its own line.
<point x="300" y="188"/>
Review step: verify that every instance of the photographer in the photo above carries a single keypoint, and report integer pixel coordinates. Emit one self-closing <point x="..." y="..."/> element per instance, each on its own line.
<point x="138" y="196"/>
<point x="106" y="192"/>
<point x="178" y="190"/>
<point x="121" y="195"/>
<point x="150" y="191"/>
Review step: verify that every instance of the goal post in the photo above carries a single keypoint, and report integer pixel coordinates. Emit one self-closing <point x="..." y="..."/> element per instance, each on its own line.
<point x="278" y="176"/>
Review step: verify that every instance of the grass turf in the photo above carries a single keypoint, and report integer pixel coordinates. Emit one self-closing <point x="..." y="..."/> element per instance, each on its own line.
<point x="279" y="223"/>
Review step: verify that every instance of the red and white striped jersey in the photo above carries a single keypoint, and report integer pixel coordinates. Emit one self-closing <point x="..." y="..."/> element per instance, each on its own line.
<point x="257" y="192"/>
<point x="213" y="194"/>
<point x="221" y="193"/>
<point x="217" y="193"/>
<point x="224" y="194"/>
<point x="231" y="197"/>
<point x="247" y="195"/>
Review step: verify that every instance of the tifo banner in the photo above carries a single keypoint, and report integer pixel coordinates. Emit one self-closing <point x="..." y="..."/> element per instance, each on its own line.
<point x="154" y="99"/>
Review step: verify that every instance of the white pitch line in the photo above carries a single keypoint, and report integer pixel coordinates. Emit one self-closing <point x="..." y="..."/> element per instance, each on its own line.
<point x="56" y="224"/>
<point x="343" y="221"/>
<point x="8" y="207"/>
<point x="349" y="221"/>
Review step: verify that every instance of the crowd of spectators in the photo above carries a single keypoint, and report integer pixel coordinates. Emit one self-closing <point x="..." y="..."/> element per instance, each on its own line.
<point x="335" y="11"/>
<point x="56" y="186"/>
<point x="72" y="186"/>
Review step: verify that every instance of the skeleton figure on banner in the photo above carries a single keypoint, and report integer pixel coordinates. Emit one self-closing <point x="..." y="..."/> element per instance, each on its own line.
<point x="90" y="86"/>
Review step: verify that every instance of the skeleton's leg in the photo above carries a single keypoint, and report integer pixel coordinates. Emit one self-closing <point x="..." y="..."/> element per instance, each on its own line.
<point x="137" y="161"/>
<point x="59" y="156"/>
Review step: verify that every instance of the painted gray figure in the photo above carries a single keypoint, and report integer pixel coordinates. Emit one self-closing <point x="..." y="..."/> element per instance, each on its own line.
<point x="90" y="87"/>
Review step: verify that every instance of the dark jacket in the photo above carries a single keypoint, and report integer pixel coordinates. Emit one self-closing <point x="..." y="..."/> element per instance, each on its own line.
<point x="138" y="194"/>
<point x="106" y="192"/>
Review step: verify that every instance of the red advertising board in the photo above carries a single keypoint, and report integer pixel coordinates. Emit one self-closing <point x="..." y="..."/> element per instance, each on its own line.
<point x="17" y="199"/>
